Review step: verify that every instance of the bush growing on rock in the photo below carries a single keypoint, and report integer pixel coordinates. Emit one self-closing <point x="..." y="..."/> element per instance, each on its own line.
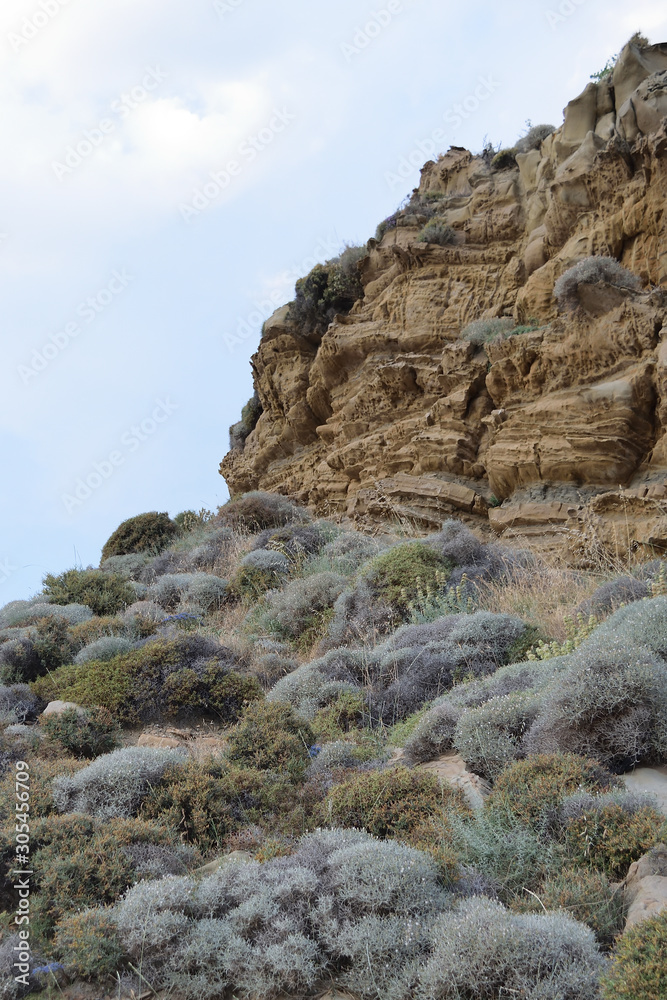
<point x="144" y="533"/>
<point x="241" y="431"/>
<point x="328" y="289"/>
<point x="114" y="785"/>
<point x="534" y="138"/>
<point x="437" y="232"/>
<point x="485" y="331"/>
<point x="257" y="511"/>
<point x="590" y="271"/>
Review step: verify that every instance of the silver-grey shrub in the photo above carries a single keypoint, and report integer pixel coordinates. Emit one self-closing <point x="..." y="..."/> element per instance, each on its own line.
<point x="207" y="592"/>
<point x="18" y="612"/>
<point x="484" y="951"/>
<point x="289" y="612"/>
<point x="359" y="618"/>
<point x="130" y="565"/>
<point x="316" y="684"/>
<point x="17" y="703"/>
<point x="491" y="736"/>
<point x="104" y="649"/>
<point x="168" y="590"/>
<point x="611" y="705"/>
<point x="346" y="553"/>
<point x="592" y="270"/>
<point x="114" y="784"/>
<point x="266" y="560"/>
<point x="643" y="623"/>
<point x="534" y="138"/>
<point x="434" y="733"/>
<point x="484" y="331"/>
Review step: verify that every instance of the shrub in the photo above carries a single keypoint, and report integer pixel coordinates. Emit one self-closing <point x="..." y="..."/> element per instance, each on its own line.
<point x="257" y="511"/>
<point x="315" y="685"/>
<point x="397" y="575"/>
<point x="611" y="705"/>
<point x="347" y="712"/>
<point x="389" y="223"/>
<point x="103" y="649"/>
<point x="82" y="735"/>
<point x="329" y="289"/>
<point x="271" y="737"/>
<point x="534" y="138"/>
<point x="590" y="271"/>
<point x="170" y="589"/>
<point x="485" y="331"/>
<point x="259" y="571"/>
<point x="87" y="945"/>
<point x="382" y="956"/>
<point x="437" y="232"/>
<point x="296" y="541"/>
<point x="532" y="789"/>
<point x="97" y="628"/>
<point x="611" y="595"/>
<point x="482" y="951"/>
<point x="17" y="704"/>
<point x="160" y="678"/>
<point x="250" y="414"/>
<point x="490" y="737"/>
<point x="609" y="831"/>
<point x="390" y="803"/>
<point x="299" y="613"/>
<point x="26" y="612"/>
<point x="586" y="896"/>
<point x="358" y="616"/>
<point x="639" y="966"/>
<point x="114" y="784"/>
<point x="150" y="532"/>
<point x="129" y="566"/>
<point x="23" y="660"/>
<point x="505" y="159"/>
<point x="348" y="551"/>
<point x="103" y="593"/>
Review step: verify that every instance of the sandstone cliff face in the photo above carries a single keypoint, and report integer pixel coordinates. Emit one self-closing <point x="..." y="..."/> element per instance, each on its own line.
<point x="391" y="413"/>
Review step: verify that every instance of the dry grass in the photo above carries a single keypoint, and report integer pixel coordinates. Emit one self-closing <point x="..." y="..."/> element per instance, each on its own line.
<point x="544" y="596"/>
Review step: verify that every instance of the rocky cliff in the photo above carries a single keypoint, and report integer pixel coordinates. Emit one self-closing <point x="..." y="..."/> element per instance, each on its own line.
<point x="558" y="431"/>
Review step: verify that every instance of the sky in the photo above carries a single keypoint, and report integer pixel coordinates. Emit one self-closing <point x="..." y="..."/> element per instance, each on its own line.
<point x="170" y="168"/>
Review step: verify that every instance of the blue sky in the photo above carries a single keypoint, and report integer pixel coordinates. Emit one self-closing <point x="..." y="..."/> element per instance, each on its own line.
<point x="169" y="168"/>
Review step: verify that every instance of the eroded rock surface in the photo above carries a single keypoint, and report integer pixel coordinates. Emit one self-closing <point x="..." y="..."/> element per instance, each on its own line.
<point x="391" y="414"/>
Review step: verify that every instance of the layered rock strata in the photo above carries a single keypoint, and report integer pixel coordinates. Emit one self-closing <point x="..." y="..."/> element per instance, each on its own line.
<point x="556" y="432"/>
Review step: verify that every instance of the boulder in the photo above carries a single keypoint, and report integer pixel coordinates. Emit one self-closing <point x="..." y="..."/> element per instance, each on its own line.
<point x="58" y="707"/>
<point x="645" y="887"/>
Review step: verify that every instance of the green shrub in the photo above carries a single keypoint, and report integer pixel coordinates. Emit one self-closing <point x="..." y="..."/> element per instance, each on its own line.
<point x="79" y="862"/>
<point x="83" y="736"/>
<point x="150" y="532"/>
<point x="398" y="803"/>
<point x="330" y="288"/>
<point x="530" y="789"/>
<point x="505" y="159"/>
<point x="639" y="966"/>
<point x="586" y="896"/>
<point x="250" y="414"/>
<point x="609" y="832"/>
<point x="271" y="737"/>
<point x="437" y="232"/>
<point x="97" y="628"/>
<point x="486" y="331"/>
<point x="400" y="574"/>
<point x="163" y="678"/>
<point x="347" y="712"/>
<point x="87" y="945"/>
<point x="103" y="593"/>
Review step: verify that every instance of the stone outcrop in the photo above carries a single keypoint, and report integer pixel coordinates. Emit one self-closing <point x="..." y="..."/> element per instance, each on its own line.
<point x="558" y="429"/>
<point x="645" y="888"/>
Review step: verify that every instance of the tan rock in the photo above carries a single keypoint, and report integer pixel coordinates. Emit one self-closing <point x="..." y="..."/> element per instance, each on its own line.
<point x="391" y="414"/>
<point x="58" y="707"/>
<point x="645" y="887"/>
<point x="156" y="742"/>
<point x="452" y="768"/>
